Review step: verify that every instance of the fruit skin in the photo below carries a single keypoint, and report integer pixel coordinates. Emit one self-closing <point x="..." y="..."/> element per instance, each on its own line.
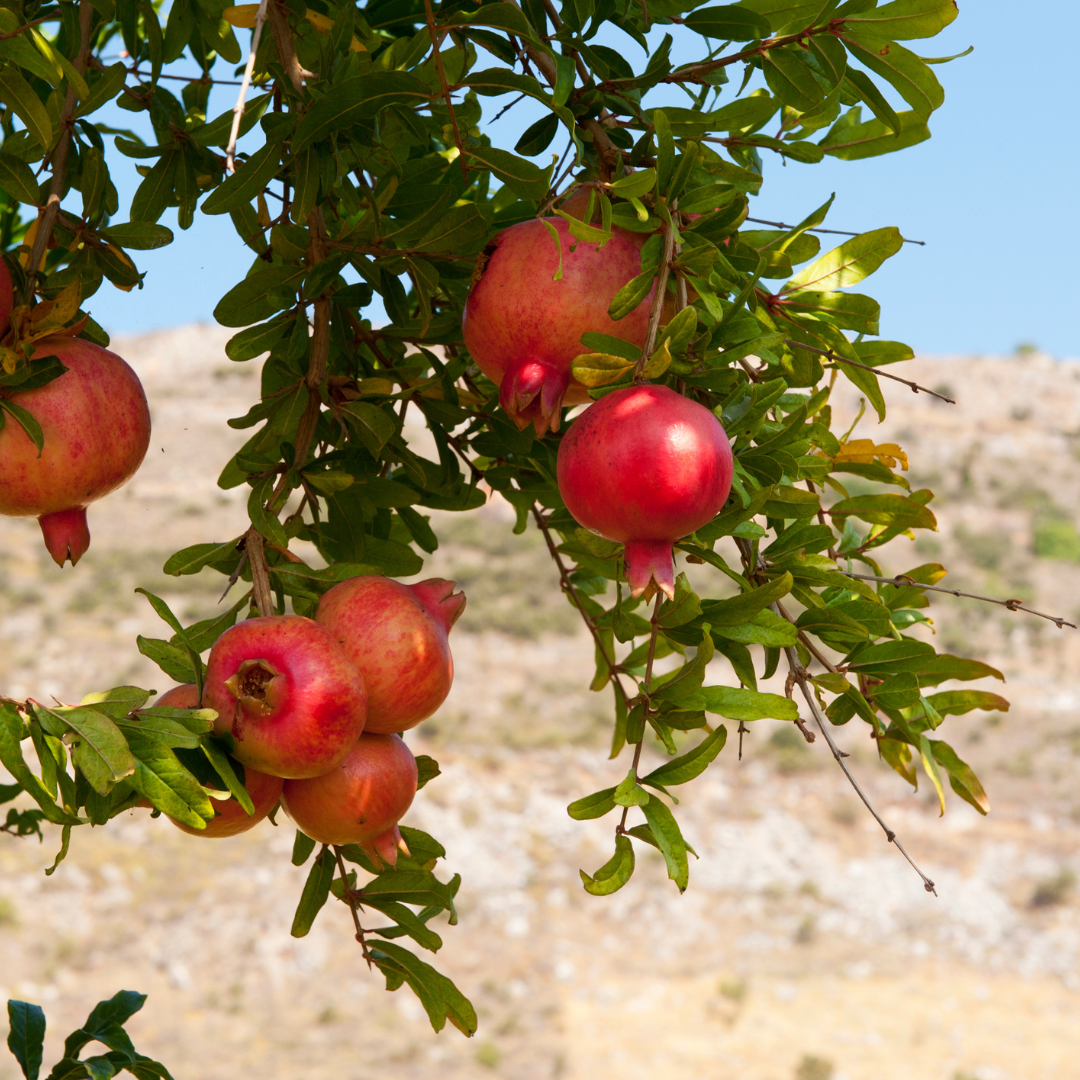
<point x="97" y="428"/>
<point x="359" y="802"/>
<point x="523" y="329"/>
<point x="396" y="635"/>
<point x="645" y="466"/>
<point x="232" y="819"/>
<point x="287" y="693"/>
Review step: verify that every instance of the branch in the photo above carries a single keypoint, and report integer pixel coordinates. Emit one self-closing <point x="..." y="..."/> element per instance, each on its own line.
<point x="282" y="31"/>
<point x="445" y="89"/>
<point x="829" y="354"/>
<point x="798" y="672"/>
<point x="835" y="232"/>
<point x="238" y="108"/>
<point x="63" y="148"/>
<point x="902" y="580"/>
<point x="349" y="898"/>
<point x="260" y="576"/>
<point x="54" y="14"/>
<point x="659" y="296"/>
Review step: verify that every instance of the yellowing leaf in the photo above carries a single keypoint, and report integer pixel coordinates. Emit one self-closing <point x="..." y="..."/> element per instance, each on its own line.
<point x="53" y="315"/>
<point x="9" y="359"/>
<point x="242" y="16"/>
<point x="599" y="369"/>
<point x="376" y="387"/>
<point x="863" y="451"/>
<point x="27" y="245"/>
<point x="659" y="362"/>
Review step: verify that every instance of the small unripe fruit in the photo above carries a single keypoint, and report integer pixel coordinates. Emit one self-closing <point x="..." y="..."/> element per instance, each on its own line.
<point x="96" y="427"/>
<point x="359" y="802"/>
<point x="524" y="329"/>
<point x="285" y="691"/>
<point x="645" y="466"/>
<point x="396" y="635"/>
<point x="230" y="818"/>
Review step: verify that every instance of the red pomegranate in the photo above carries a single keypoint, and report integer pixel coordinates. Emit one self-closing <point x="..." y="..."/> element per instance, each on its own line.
<point x="288" y="695"/>
<point x="96" y="427"/>
<point x="7" y="298"/>
<point x="524" y="329"/>
<point x="359" y="802"/>
<point x="396" y="635"/>
<point x="645" y="466"/>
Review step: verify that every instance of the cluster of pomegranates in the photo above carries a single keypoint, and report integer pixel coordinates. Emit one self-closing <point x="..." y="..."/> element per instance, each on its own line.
<point x="644" y="465"/>
<point x="315" y="708"/>
<point x="96" y="429"/>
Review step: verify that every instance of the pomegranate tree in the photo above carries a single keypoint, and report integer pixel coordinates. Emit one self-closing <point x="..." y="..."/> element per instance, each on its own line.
<point x="645" y="466"/>
<point x="96" y="428"/>
<point x="397" y="636"/>
<point x="361" y="800"/>
<point x="287" y="693"/>
<point x="523" y="327"/>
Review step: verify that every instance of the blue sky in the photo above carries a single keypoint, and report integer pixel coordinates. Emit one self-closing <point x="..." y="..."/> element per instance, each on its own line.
<point x="994" y="188"/>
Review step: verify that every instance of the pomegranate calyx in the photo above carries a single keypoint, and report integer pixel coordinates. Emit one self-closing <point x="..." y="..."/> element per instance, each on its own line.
<point x="441" y="603"/>
<point x="532" y="392"/>
<point x="650" y="568"/>
<point x="252" y="686"/>
<point x="66" y="533"/>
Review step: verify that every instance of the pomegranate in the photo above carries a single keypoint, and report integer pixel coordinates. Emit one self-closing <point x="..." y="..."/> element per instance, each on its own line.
<point x="96" y="427"/>
<point x="396" y="635"/>
<point x="645" y="466"/>
<point x="7" y="298"/>
<point x="524" y="329"/>
<point x="359" y="802"/>
<point x="230" y="817"/>
<point x="287" y="693"/>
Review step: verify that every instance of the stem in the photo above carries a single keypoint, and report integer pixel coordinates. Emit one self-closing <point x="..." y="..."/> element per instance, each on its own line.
<point x="835" y="232"/>
<point x="63" y="148"/>
<point x="238" y="109"/>
<point x="347" y="895"/>
<point x="445" y="88"/>
<point x="260" y="576"/>
<point x="657" y="311"/>
<point x="282" y="31"/>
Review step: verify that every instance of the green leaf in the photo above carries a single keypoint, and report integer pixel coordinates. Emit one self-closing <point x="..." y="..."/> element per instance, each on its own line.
<point x="303" y="846"/>
<point x="898" y="691"/>
<point x="962" y="778"/>
<point x="787" y="16"/>
<point x="138" y="235"/>
<point x="739" y="609"/>
<point x="257" y="297"/>
<point x="242" y="186"/>
<point x="915" y="82"/>
<point x="370" y="423"/>
<point x="26" y="1036"/>
<point x="692" y="764"/>
<point x="536" y="138"/>
<point x="104" y="89"/>
<point x="853" y="142"/>
<point x="316" y="890"/>
<point x="162" y="779"/>
<point x="165" y="614"/>
<point x="442" y="1000"/>
<point x="119" y="701"/>
<point x="629" y="793"/>
<point x="886" y="510"/>
<point x="683" y="609"/>
<point x="958" y="702"/>
<point x="528" y="180"/>
<point x="192" y="559"/>
<point x="905" y="19"/>
<point x="615" y="873"/>
<point x="356" y="99"/>
<point x="224" y="767"/>
<point x="17" y="179"/>
<point x="99" y="748"/>
<point x="154" y="195"/>
<point x="11" y="734"/>
<point x="592" y="806"/>
<point x="174" y="661"/>
<point x="834" y="627"/>
<point x="738" y="704"/>
<point x="427" y="768"/>
<point x="669" y="839"/>
<point x="892" y="656"/>
<point x="938" y="669"/>
<point x="18" y="95"/>
<point x="849" y="263"/>
<point x="930" y="765"/>
<point x="791" y="80"/>
<point x="631" y="294"/>
<point x="727" y="22"/>
<point x="635" y="184"/>
<point x="25" y="421"/>
<point x="859" y="83"/>
<point x="599" y="369"/>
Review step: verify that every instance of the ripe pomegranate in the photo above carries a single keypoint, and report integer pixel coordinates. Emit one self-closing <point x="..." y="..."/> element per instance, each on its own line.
<point x="359" y="802"/>
<point x="524" y="329"/>
<point x="231" y="818"/>
<point x="287" y="693"/>
<point x="396" y="635"/>
<point x="645" y="466"/>
<point x="96" y="427"/>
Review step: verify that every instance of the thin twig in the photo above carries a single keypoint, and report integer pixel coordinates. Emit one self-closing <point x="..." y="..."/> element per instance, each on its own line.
<point x="445" y="88"/>
<point x="657" y="311"/>
<point x="829" y="354"/>
<point x="903" y="581"/>
<point x="350" y="899"/>
<point x="283" y="40"/>
<point x="835" y="232"/>
<point x="249" y="70"/>
<point x="556" y="22"/>
<point x="260" y="576"/>
<point x="811" y="648"/>
<point x="54" y="14"/>
<point x="802" y="679"/>
<point x="63" y="148"/>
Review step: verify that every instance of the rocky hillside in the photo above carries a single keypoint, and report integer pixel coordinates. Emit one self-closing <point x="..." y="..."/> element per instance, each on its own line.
<point x="804" y="949"/>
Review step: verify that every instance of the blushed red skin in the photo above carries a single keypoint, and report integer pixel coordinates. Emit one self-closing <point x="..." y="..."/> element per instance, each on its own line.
<point x="396" y="635"/>
<point x="645" y="466"/>
<point x="316" y="703"/>
<point x="523" y="329"/>
<point x="97" y="428"/>
<point x="359" y="802"/>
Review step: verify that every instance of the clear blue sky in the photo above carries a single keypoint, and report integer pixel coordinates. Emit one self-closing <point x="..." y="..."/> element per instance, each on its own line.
<point x="994" y="189"/>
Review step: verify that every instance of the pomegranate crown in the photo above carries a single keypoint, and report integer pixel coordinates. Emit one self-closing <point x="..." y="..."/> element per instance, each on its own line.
<point x="440" y="601"/>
